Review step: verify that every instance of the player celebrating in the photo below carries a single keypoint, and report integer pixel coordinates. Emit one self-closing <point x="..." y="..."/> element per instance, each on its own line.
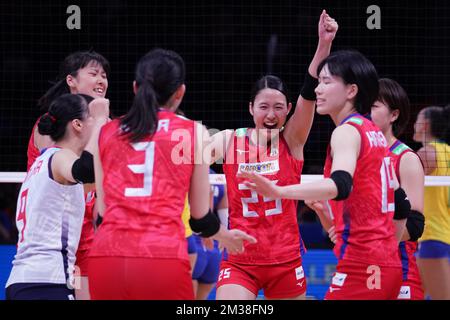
<point x="147" y="161"/>
<point x="50" y="206"/>
<point x="272" y="148"/>
<point x="84" y="72"/>
<point x="357" y="172"/>
<point x="391" y="114"/>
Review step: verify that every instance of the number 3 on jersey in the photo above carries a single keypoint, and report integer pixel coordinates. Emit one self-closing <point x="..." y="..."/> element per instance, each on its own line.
<point x="145" y="168"/>
<point x="254" y="199"/>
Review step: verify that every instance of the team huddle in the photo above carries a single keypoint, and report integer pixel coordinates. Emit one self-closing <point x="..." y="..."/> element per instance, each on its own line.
<point x="100" y="211"/>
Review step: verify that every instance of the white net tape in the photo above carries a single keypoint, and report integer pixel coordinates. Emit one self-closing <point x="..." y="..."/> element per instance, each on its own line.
<point x="430" y="181"/>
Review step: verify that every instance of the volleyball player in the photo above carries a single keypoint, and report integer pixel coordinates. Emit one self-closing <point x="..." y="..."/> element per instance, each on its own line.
<point x="147" y="161"/>
<point x="391" y="114"/>
<point x="357" y="174"/>
<point x="273" y="148"/>
<point x="432" y="129"/>
<point x="84" y="72"/>
<point x="50" y="206"/>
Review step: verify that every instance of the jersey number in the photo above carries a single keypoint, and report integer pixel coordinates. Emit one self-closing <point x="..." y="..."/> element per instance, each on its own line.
<point x="22" y="213"/>
<point x="146" y="168"/>
<point x="254" y="199"/>
<point x="387" y="184"/>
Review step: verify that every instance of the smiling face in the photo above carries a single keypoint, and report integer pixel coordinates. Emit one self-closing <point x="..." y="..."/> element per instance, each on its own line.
<point x="90" y="80"/>
<point x="332" y="93"/>
<point x="269" y="109"/>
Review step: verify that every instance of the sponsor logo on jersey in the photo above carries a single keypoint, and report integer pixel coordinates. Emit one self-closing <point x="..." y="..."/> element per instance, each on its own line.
<point x="399" y="149"/>
<point x="299" y="273"/>
<point x="241" y="132"/>
<point x="339" y="279"/>
<point x="405" y="292"/>
<point x="268" y="167"/>
<point x="358" y="121"/>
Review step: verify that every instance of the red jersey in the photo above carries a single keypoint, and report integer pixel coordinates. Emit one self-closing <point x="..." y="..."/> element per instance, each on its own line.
<point x="87" y="231"/>
<point x="407" y="249"/>
<point x="363" y="222"/>
<point x="145" y="186"/>
<point x="32" y="151"/>
<point x="273" y="222"/>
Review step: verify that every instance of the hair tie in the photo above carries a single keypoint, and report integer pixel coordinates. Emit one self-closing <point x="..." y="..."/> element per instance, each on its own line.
<point x="52" y="118"/>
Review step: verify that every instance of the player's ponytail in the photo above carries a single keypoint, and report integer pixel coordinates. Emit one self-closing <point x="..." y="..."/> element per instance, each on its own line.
<point x="142" y="118"/>
<point x="61" y="111"/>
<point x="158" y="75"/>
<point x="58" y="89"/>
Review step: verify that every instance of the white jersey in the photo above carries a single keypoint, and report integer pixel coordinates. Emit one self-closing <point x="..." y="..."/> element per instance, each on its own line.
<point x="49" y="218"/>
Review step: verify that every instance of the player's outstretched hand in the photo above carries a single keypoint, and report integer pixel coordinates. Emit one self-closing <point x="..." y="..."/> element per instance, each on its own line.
<point x="261" y="185"/>
<point x="332" y="234"/>
<point x="317" y="206"/>
<point x="233" y="240"/>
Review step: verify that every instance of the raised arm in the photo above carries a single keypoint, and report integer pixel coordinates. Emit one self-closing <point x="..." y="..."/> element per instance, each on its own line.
<point x="345" y="146"/>
<point x="299" y="125"/>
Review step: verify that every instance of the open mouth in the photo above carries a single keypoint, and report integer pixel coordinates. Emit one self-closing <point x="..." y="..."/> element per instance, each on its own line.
<point x="99" y="91"/>
<point x="270" y="126"/>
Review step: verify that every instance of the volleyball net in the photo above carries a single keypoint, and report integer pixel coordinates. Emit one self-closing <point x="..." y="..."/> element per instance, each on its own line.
<point x="219" y="179"/>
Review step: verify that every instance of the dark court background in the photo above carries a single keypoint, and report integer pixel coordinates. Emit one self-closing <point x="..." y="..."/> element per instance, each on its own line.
<point x="227" y="46"/>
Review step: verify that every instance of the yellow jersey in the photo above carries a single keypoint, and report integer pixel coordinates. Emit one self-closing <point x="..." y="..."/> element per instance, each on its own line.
<point x="437" y="202"/>
<point x="185" y="217"/>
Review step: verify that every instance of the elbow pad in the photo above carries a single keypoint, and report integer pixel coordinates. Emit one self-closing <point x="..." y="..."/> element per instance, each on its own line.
<point x="415" y="225"/>
<point x="402" y="205"/>
<point x="344" y="184"/>
<point x="83" y="168"/>
<point x="207" y="226"/>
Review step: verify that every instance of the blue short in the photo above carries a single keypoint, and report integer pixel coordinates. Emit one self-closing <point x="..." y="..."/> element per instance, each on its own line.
<point x="192" y="247"/>
<point x="432" y="249"/>
<point x="207" y="266"/>
<point x="39" y="291"/>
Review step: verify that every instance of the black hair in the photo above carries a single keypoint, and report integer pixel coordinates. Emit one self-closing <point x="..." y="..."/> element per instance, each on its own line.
<point x="158" y="75"/>
<point x="70" y="66"/>
<point x="61" y="111"/>
<point x="354" y="68"/>
<point x="271" y="82"/>
<point x="395" y="97"/>
<point x="439" y="118"/>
